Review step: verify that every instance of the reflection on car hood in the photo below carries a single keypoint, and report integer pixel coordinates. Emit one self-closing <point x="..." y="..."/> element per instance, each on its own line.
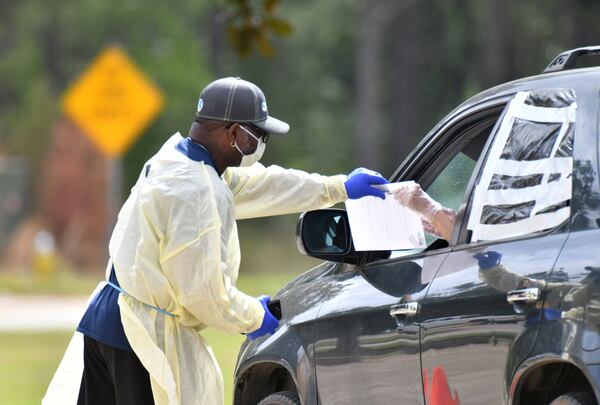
<point x="323" y="269"/>
<point x="300" y="301"/>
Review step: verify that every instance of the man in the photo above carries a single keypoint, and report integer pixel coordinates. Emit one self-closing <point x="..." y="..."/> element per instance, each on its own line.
<point x="175" y="256"/>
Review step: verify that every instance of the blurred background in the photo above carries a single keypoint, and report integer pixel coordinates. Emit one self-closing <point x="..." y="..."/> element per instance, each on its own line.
<point x="359" y="81"/>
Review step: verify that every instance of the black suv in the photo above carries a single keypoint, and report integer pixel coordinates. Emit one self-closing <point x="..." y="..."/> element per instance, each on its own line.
<point x="506" y="311"/>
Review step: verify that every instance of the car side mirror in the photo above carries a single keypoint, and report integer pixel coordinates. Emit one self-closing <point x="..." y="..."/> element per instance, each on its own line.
<point x="325" y="234"/>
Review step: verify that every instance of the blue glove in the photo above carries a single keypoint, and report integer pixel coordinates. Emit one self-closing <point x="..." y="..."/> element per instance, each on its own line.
<point x="551" y="314"/>
<point x="269" y="323"/>
<point x="488" y="259"/>
<point x="359" y="183"/>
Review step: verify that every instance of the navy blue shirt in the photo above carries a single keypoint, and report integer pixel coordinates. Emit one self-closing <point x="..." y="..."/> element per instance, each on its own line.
<point x="102" y="319"/>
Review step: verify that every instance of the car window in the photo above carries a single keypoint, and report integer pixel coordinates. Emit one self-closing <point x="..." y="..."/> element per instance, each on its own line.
<point x="447" y="177"/>
<point x="449" y="187"/>
<point x="526" y="182"/>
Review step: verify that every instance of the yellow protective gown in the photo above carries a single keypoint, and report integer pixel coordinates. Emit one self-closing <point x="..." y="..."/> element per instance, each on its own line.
<point x="175" y="246"/>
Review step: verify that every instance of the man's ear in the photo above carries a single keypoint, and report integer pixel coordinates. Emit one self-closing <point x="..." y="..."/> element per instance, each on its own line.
<point x="232" y="134"/>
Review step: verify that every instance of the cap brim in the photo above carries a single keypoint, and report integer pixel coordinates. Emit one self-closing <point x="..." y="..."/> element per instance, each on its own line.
<point x="273" y="126"/>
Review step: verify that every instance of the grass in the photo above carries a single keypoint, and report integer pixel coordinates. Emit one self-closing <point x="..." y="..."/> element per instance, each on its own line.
<point x="28" y="359"/>
<point x="226" y="350"/>
<point x="27" y="362"/>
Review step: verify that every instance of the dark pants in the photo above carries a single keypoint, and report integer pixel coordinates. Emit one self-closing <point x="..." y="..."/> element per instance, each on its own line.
<point x="112" y="376"/>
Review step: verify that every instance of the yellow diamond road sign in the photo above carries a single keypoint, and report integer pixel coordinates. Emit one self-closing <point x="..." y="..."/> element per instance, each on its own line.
<point x="112" y="101"/>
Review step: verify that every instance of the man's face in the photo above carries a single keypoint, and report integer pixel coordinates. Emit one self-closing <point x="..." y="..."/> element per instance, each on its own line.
<point x="233" y="141"/>
<point x="247" y="137"/>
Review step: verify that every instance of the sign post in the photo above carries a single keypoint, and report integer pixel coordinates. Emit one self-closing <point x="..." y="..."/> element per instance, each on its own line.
<point x="112" y="102"/>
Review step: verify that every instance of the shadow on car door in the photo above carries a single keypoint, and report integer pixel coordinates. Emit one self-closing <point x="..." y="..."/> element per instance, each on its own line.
<point x="364" y="353"/>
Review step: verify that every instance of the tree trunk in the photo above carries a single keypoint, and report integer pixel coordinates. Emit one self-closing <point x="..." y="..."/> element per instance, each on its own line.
<point x="405" y="81"/>
<point x="495" y="63"/>
<point x="367" y="136"/>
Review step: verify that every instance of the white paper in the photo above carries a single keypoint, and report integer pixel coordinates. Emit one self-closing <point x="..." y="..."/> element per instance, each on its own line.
<point x="378" y="224"/>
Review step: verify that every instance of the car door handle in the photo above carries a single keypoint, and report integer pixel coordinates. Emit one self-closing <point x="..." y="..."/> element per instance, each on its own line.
<point x="408" y="309"/>
<point x="523" y="296"/>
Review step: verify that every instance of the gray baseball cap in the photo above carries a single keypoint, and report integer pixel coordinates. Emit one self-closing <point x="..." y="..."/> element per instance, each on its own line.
<point x="232" y="99"/>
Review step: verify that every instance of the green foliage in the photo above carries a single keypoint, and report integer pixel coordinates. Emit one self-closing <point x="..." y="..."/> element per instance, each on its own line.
<point x="250" y="24"/>
<point x="309" y="84"/>
<point x="310" y="81"/>
<point x="432" y="56"/>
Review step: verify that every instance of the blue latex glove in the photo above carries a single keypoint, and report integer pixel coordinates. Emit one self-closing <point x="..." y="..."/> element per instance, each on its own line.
<point x="535" y="317"/>
<point x="551" y="314"/>
<point x="359" y="183"/>
<point x="488" y="259"/>
<point x="269" y="323"/>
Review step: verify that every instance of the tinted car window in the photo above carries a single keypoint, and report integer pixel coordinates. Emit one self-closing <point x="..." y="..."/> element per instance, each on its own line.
<point x="449" y="187"/>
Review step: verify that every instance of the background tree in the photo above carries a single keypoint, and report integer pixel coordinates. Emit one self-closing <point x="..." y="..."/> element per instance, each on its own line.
<point x="360" y="82"/>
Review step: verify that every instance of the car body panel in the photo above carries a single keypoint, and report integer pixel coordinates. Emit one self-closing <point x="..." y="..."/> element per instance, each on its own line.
<point x="292" y="344"/>
<point x="574" y="293"/>
<point x="469" y="328"/>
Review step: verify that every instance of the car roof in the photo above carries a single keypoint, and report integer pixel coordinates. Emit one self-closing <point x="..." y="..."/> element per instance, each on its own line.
<point x="585" y="79"/>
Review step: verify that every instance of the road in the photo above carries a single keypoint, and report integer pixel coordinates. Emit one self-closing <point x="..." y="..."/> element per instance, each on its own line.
<point x="38" y="313"/>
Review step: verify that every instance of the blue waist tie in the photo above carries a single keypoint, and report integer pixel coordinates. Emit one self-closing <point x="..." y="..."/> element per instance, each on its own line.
<point x="102" y="319"/>
<point x="162" y="311"/>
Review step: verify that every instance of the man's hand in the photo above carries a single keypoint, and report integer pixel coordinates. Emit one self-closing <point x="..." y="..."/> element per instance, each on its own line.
<point x="429" y="228"/>
<point x="360" y="181"/>
<point x="436" y="220"/>
<point x="413" y="197"/>
<point x="269" y="323"/>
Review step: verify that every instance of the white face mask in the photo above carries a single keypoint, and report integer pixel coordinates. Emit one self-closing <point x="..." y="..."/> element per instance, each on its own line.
<point x="250" y="159"/>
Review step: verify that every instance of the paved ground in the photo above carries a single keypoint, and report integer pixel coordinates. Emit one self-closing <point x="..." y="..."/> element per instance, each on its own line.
<point x="19" y="312"/>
